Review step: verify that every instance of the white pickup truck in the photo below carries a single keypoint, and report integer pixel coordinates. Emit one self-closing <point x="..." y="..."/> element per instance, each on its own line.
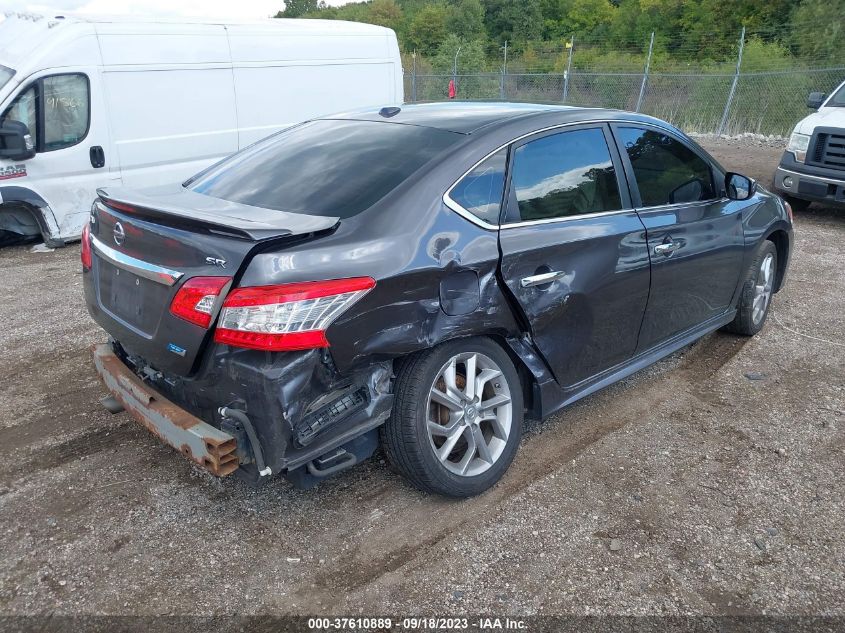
<point x="813" y="166"/>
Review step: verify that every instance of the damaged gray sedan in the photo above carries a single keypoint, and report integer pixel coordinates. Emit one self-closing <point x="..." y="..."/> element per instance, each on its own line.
<point x="425" y="277"/>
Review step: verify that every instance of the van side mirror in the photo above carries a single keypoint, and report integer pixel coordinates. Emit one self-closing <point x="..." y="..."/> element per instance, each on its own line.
<point x="15" y="141"/>
<point x="815" y="100"/>
<point x="739" y="187"/>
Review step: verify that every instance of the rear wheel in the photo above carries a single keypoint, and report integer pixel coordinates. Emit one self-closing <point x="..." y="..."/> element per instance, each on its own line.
<point x="457" y="418"/>
<point x="757" y="291"/>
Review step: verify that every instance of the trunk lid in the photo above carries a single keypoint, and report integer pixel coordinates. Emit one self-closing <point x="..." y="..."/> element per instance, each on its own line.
<point x="147" y="245"/>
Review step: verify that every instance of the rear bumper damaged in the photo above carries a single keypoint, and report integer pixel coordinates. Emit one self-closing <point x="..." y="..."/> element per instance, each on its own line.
<point x="255" y="412"/>
<point x="200" y="442"/>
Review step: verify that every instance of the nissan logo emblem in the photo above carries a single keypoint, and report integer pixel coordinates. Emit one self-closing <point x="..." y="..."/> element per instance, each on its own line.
<point x="119" y="234"/>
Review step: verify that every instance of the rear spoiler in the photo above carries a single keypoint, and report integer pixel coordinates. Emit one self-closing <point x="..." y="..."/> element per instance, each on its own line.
<point x="185" y="209"/>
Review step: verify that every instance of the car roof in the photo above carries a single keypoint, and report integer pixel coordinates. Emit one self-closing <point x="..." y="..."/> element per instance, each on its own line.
<point x="470" y="117"/>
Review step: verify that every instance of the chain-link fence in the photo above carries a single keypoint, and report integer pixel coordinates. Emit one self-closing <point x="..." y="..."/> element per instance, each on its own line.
<point x="760" y="87"/>
<point x="762" y="102"/>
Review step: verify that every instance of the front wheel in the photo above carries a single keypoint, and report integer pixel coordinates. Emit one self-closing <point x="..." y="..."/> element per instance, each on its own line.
<point x="457" y="418"/>
<point x="757" y="290"/>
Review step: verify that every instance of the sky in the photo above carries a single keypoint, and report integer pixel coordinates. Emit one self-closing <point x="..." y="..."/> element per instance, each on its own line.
<point x="245" y="9"/>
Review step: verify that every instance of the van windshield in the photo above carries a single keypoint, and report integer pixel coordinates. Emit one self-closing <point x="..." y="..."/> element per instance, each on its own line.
<point x="332" y="168"/>
<point x="5" y="75"/>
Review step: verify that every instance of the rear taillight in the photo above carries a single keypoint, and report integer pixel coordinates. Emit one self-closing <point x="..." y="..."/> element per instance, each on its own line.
<point x="194" y="301"/>
<point x="85" y="253"/>
<point x="289" y="316"/>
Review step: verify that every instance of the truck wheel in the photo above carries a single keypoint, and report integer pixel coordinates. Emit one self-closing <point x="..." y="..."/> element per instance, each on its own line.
<point x="757" y="290"/>
<point x="457" y="418"/>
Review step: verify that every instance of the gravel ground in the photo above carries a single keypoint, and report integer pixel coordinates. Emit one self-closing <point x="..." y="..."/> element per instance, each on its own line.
<point x="707" y="484"/>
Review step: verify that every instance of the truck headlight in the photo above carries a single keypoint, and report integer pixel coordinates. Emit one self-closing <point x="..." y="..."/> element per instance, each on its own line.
<point x="798" y="144"/>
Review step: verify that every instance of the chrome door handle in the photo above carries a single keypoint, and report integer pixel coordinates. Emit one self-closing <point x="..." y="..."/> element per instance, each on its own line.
<point x="541" y="279"/>
<point x="666" y="249"/>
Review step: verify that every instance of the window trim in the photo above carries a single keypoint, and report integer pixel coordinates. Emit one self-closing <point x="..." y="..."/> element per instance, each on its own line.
<point x="616" y="157"/>
<point x="512" y="205"/>
<point x="630" y="176"/>
<point x="461" y="210"/>
<point x="39" y="109"/>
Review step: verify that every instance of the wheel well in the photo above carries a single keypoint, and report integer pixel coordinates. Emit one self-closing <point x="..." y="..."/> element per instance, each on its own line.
<point x="17" y="209"/>
<point x="530" y="397"/>
<point x="781" y="241"/>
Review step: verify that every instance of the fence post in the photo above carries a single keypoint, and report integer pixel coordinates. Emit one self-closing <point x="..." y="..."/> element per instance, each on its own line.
<point x="733" y="84"/>
<point x="504" y="74"/>
<point x="568" y="69"/>
<point x="414" y="77"/>
<point x="645" y="74"/>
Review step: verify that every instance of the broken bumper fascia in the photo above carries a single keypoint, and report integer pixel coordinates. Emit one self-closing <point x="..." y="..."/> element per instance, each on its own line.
<point x="200" y="442"/>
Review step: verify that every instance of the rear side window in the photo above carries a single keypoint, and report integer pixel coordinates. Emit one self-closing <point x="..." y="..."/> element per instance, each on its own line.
<point x="566" y="174"/>
<point x="329" y="168"/>
<point x="666" y="170"/>
<point x="480" y="191"/>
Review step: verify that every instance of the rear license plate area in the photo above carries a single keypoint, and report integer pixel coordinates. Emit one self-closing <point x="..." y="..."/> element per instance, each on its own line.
<point x="129" y="298"/>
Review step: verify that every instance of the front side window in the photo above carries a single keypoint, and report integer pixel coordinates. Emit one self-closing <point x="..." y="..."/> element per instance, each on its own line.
<point x="66" y="106"/>
<point x="666" y="170"/>
<point x="480" y="191"/>
<point x="24" y="110"/>
<point x="838" y="99"/>
<point x="64" y="101"/>
<point x="566" y="174"/>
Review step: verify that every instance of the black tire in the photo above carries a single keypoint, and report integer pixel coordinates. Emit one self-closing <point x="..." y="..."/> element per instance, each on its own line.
<point x="798" y="204"/>
<point x="745" y="322"/>
<point x="405" y="436"/>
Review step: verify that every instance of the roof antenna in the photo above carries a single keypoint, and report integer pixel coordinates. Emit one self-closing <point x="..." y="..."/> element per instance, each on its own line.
<point x="389" y="111"/>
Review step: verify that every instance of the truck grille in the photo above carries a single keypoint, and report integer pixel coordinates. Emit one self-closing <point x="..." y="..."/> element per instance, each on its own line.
<point x="829" y="150"/>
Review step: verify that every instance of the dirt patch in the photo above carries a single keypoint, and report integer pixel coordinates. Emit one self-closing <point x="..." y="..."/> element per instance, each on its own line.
<point x="715" y="474"/>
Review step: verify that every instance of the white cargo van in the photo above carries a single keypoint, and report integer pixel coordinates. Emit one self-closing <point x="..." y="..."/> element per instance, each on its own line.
<point x="92" y="102"/>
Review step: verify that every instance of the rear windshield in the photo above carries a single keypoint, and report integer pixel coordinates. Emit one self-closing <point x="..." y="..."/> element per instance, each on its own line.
<point x="328" y="168"/>
<point x="5" y="75"/>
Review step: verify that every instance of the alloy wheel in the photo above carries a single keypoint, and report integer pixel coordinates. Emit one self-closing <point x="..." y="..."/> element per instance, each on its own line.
<point x="469" y="414"/>
<point x="763" y="288"/>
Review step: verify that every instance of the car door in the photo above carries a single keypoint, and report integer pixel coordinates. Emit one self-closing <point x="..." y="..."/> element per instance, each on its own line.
<point x="573" y="251"/>
<point x="695" y="235"/>
<point x="65" y="117"/>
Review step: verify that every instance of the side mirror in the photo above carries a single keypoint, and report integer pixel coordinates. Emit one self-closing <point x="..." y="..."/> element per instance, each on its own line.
<point x="739" y="187"/>
<point x="815" y="100"/>
<point x="15" y="141"/>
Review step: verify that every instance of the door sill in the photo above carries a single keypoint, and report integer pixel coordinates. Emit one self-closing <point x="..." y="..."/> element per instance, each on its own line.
<point x="641" y="361"/>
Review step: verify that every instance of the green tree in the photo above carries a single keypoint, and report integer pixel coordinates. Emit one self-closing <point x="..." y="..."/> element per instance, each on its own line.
<point x="819" y="29"/>
<point x="513" y="20"/>
<point x="465" y="19"/>
<point x="428" y="29"/>
<point x="385" y="13"/>
<point x="471" y="58"/>
<point x="298" y="8"/>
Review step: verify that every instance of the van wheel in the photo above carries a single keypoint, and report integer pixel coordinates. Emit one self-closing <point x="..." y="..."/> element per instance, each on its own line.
<point x="457" y="418"/>
<point x="756" y="296"/>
